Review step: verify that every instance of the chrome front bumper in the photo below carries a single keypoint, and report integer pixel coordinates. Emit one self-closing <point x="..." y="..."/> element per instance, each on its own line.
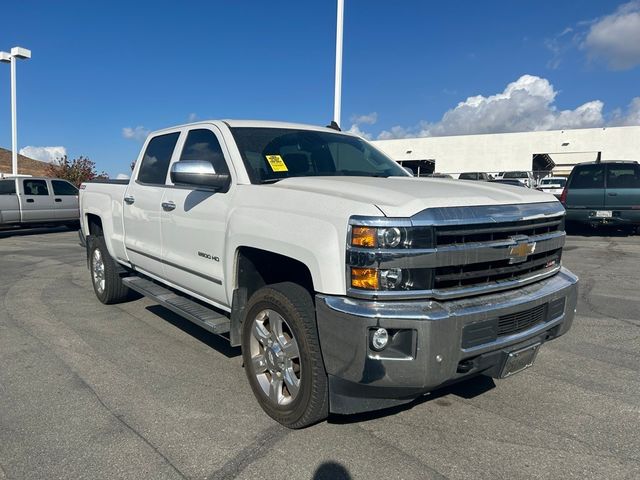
<point x="430" y="353"/>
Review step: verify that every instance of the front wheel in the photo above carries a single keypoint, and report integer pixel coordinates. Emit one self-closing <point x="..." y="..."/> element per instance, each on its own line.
<point x="106" y="281"/>
<point x="281" y="353"/>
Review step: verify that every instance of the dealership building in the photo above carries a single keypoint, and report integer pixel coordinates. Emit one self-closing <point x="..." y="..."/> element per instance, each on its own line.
<point x="548" y="152"/>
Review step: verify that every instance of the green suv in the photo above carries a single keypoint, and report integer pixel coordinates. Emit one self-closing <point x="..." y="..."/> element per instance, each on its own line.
<point x="600" y="193"/>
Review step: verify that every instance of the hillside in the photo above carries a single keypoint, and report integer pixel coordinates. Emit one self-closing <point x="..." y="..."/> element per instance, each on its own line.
<point x="26" y="165"/>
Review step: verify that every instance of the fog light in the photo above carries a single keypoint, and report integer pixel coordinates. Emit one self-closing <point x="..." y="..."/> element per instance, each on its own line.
<point x="379" y="339"/>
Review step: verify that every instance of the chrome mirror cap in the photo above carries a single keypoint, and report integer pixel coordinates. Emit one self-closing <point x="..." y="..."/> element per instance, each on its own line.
<point x="197" y="173"/>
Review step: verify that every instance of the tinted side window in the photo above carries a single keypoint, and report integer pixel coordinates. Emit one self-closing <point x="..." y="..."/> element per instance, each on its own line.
<point x="155" y="161"/>
<point x="623" y="176"/>
<point x="587" y="176"/>
<point x="202" y="144"/>
<point x="35" y="187"/>
<point x="7" y="187"/>
<point x="63" y="188"/>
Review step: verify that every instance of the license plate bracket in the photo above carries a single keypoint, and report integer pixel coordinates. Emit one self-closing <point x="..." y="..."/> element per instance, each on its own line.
<point x="604" y="214"/>
<point x="519" y="360"/>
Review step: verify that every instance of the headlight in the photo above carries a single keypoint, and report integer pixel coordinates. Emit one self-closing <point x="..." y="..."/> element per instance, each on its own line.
<point x="391" y="279"/>
<point x="389" y="237"/>
<point x="370" y="237"/>
<point x="369" y="248"/>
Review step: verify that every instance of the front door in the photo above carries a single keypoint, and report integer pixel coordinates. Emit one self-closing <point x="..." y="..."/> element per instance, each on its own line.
<point x="142" y="205"/>
<point x="194" y="223"/>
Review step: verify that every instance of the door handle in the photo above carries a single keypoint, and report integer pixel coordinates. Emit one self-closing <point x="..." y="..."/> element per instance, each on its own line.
<point x="168" y="206"/>
<point x="612" y="194"/>
<point x="58" y="199"/>
<point x="30" y="200"/>
<point x="129" y="199"/>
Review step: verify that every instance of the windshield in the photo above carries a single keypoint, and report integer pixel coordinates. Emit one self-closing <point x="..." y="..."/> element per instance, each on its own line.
<point x="271" y="154"/>
<point x="516" y="175"/>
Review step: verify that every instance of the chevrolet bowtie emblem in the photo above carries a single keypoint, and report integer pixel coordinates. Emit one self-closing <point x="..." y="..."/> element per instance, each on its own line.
<point x="519" y="252"/>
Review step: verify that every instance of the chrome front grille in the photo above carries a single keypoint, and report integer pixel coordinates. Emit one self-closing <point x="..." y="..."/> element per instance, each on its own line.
<point x="455" y="252"/>
<point x="484" y="273"/>
<point x="491" y="232"/>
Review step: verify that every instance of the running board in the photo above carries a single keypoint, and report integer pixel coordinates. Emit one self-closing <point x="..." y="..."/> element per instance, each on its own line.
<point x="208" y="318"/>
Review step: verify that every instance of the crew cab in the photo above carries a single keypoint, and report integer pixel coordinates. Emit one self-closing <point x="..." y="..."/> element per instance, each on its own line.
<point x="29" y="201"/>
<point x="350" y="285"/>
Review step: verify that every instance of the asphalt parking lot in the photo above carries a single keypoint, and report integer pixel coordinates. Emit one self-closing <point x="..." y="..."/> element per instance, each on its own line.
<point x="132" y="391"/>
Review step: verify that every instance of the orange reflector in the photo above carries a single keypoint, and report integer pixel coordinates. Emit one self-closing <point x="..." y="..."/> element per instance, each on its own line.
<point x="366" y="278"/>
<point x="363" y="237"/>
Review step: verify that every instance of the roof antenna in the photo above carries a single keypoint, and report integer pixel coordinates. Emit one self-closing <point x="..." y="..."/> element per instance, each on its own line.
<point x="599" y="157"/>
<point x="334" y="126"/>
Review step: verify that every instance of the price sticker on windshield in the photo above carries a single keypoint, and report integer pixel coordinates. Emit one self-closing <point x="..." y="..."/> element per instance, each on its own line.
<point x="276" y="163"/>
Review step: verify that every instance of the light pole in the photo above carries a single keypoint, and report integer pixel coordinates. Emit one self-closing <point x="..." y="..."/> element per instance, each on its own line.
<point x="16" y="53"/>
<point x="337" y="99"/>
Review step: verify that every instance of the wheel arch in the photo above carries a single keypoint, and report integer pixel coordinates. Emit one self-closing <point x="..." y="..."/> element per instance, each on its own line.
<point x="256" y="268"/>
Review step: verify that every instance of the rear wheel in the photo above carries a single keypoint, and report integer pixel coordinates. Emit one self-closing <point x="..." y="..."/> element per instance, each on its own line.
<point x="106" y="281"/>
<point x="281" y="354"/>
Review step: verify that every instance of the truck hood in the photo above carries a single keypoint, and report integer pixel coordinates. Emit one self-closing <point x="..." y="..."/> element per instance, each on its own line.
<point x="406" y="196"/>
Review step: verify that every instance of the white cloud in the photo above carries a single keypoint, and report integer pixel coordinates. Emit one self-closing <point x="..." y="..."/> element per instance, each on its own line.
<point x="369" y="119"/>
<point x="192" y="117"/>
<point x="44" y="154"/>
<point x="138" y="133"/>
<point x="359" y="120"/>
<point x="630" y="117"/>
<point x="615" y="38"/>
<point x="525" y="105"/>
<point x="122" y="176"/>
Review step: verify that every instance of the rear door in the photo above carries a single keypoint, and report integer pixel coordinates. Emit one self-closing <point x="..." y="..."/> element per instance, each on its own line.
<point x="65" y="199"/>
<point x="142" y="204"/>
<point x="9" y="205"/>
<point x="37" y="201"/>
<point x="585" y="189"/>
<point x="623" y="186"/>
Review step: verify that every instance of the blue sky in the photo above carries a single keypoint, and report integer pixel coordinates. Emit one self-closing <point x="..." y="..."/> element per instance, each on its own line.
<point x="105" y="71"/>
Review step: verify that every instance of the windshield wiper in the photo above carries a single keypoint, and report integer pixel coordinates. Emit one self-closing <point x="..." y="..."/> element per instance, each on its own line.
<point x="271" y="180"/>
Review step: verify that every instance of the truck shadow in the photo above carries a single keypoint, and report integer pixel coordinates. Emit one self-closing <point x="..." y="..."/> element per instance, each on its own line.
<point x="217" y="342"/>
<point x="579" y="230"/>
<point x="331" y="471"/>
<point x="23" y="232"/>
<point x="467" y="389"/>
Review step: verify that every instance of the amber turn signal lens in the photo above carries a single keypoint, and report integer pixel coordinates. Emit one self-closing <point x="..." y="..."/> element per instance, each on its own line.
<point x="364" y="237"/>
<point x="365" y="278"/>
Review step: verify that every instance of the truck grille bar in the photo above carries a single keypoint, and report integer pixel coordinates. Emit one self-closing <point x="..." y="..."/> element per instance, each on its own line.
<point x="475" y="274"/>
<point x="456" y="252"/>
<point x="460" y="235"/>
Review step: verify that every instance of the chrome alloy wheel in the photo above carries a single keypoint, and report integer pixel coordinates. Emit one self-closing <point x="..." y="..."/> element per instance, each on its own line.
<point x="275" y="357"/>
<point x="97" y="270"/>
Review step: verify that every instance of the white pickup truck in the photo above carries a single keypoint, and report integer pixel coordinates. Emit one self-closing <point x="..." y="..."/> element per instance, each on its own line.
<point x="350" y="285"/>
<point x="28" y="201"/>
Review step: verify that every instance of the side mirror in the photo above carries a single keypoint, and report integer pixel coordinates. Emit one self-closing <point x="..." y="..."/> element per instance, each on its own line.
<point x="196" y="173"/>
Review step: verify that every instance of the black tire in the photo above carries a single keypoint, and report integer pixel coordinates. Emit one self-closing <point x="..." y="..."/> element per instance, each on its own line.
<point x="112" y="290"/>
<point x="310" y="404"/>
